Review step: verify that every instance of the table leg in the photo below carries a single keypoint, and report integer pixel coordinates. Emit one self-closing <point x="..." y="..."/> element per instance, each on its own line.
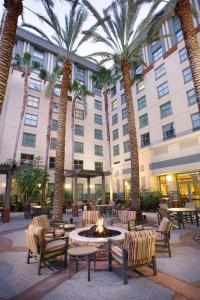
<point x="69" y="265"/>
<point x="182" y="220"/>
<point x="179" y="220"/>
<point x="76" y="264"/>
<point x="197" y="218"/>
<point x="88" y="268"/>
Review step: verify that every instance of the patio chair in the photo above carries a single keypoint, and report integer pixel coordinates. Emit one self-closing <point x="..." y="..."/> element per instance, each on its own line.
<point x="90" y="217"/>
<point x="44" y="250"/>
<point x="50" y="229"/>
<point x="126" y="219"/>
<point x="163" y="235"/>
<point x="189" y="215"/>
<point x="138" y="249"/>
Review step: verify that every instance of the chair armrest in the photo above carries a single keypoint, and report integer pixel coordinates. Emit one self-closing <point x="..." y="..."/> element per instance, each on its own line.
<point x="55" y="239"/>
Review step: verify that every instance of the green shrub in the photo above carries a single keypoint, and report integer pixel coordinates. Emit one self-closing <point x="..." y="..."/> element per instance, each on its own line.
<point x="150" y="200"/>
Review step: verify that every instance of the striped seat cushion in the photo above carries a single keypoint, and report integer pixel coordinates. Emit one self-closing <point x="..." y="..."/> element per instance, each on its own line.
<point x="90" y="216"/>
<point x="55" y="246"/>
<point x="117" y="254"/>
<point x="126" y="215"/>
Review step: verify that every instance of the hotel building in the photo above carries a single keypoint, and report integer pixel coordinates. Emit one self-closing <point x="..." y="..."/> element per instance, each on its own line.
<point x="167" y="119"/>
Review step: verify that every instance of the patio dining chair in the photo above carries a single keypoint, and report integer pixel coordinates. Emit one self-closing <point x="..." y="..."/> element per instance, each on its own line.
<point x="163" y="235"/>
<point x="138" y="249"/>
<point x="126" y="219"/>
<point x="45" y="251"/>
<point x="90" y="217"/>
<point x="50" y="229"/>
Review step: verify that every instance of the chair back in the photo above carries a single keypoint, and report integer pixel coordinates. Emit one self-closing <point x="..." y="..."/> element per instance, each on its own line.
<point x="140" y="246"/>
<point x="189" y="205"/>
<point x="127" y="215"/>
<point x="41" y="221"/>
<point x="163" y="206"/>
<point x="90" y="216"/>
<point x="165" y="225"/>
<point x="35" y="235"/>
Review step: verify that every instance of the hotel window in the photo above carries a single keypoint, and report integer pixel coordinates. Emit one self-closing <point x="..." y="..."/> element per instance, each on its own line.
<point x="80" y="74"/>
<point x="140" y="86"/>
<point x="53" y="144"/>
<point x="179" y="36"/>
<point x="160" y="71"/>
<point x="124" y="113"/>
<point x="78" y="164"/>
<point x="98" y="150"/>
<point x="52" y="162"/>
<point x="143" y="120"/>
<point x="196" y="121"/>
<point x="168" y="131"/>
<point x="26" y="158"/>
<point x="115" y="150"/>
<point x="139" y="70"/>
<point x="113" y="91"/>
<point x="162" y="89"/>
<point x="98" y="119"/>
<point x="127" y="146"/>
<point x="30" y="120"/>
<point x="123" y="99"/>
<point x="187" y="74"/>
<point x="29" y="139"/>
<point x="142" y="102"/>
<point x="57" y="91"/>
<point x="78" y="147"/>
<point x="79" y="114"/>
<point x="165" y="110"/>
<point x="183" y="54"/>
<point x="54" y="125"/>
<point x="38" y="56"/>
<point x="98" y="134"/>
<point x="33" y="101"/>
<point x="115" y="134"/>
<point x="56" y="107"/>
<point x="97" y="90"/>
<point x="79" y="130"/>
<point x="114" y="104"/>
<point x="98" y="166"/>
<point x="121" y="84"/>
<point x="145" y="139"/>
<point x="157" y="54"/>
<point x="125" y="129"/>
<point x="191" y="97"/>
<point x="97" y="104"/>
<point x="34" y="84"/>
<point x="114" y="119"/>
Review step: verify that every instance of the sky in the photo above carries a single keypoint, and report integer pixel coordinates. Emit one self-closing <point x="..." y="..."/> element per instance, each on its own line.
<point x="61" y="8"/>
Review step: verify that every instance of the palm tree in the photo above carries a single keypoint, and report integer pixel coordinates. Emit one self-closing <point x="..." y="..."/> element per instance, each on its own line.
<point x="67" y="38"/>
<point x="80" y="93"/>
<point x="14" y="9"/>
<point x="26" y="65"/>
<point x="121" y="35"/>
<point x="53" y="82"/>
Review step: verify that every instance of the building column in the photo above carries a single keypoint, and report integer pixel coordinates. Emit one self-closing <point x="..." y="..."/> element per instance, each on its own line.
<point x="6" y="209"/>
<point x="88" y="188"/>
<point x="103" y="189"/>
<point x="75" y="190"/>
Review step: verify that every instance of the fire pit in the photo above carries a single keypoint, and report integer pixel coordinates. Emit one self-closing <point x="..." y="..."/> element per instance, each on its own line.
<point x="96" y="234"/>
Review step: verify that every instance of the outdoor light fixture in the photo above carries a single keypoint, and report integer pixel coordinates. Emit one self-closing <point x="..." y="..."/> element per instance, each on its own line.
<point x="67" y="186"/>
<point x="169" y="178"/>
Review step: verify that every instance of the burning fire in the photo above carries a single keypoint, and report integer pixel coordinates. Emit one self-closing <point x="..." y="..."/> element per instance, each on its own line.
<point x="99" y="225"/>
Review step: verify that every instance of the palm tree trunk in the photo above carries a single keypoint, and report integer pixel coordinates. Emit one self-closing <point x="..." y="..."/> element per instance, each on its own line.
<point x="26" y="75"/>
<point x="184" y="13"/>
<point x="135" y="185"/>
<point x="14" y="9"/>
<point x="60" y="150"/>
<point x="49" y="128"/>
<point x="105" y="93"/>
<point x="72" y="126"/>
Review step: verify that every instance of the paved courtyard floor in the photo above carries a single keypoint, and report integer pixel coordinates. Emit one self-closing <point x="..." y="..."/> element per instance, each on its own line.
<point x="178" y="277"/>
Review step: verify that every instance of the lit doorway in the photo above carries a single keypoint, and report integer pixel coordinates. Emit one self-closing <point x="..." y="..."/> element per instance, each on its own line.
<point x="127" y="190"/>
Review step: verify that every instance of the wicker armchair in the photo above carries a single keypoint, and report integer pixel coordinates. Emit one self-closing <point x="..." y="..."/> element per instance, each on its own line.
<point x="44" y="250"/>
<point x="126" y="219"/>
<point x="163" y="235"/>
<point x="138" y="249"/>
<point x="50" y="229"/>
<point x="90" y="217"/>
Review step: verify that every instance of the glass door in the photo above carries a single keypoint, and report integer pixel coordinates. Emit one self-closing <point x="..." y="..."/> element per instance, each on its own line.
<point x="127" y="190"/>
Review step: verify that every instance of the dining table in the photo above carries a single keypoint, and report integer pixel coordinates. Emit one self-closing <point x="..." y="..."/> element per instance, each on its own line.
<point x="180" y="214"/>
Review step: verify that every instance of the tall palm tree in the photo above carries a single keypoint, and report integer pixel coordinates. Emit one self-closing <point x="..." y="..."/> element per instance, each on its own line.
<point x="26" y="65"/>
<point x="53" y="82"/>
<point x="123" y="37"/>
<point x="14" y="9"/>
<point x="67" y="38"/>
<point x="80" y="92"/>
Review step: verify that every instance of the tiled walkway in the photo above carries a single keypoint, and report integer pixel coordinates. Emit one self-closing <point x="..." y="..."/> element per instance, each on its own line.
<point x="178" y="277"/>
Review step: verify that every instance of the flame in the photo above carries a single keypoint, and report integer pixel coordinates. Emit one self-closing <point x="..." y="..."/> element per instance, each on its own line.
<point x="99" y="224"/>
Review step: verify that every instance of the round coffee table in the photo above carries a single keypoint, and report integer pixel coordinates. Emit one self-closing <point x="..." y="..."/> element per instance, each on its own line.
<point x="87" y="253"/>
